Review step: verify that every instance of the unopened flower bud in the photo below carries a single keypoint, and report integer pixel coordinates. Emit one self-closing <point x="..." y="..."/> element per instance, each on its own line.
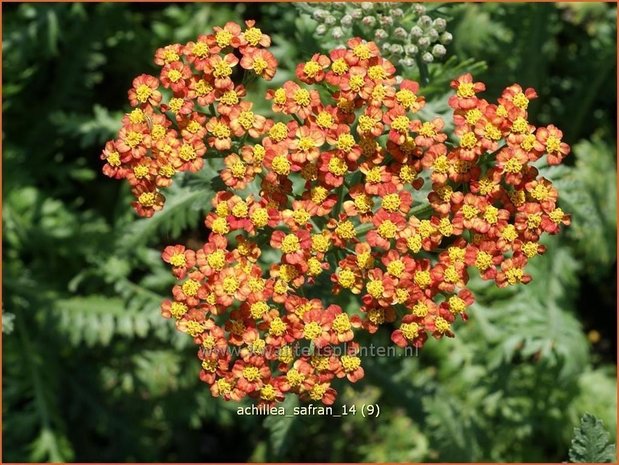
<point x="321" y="29"/>
<point x="346" y="20"/>
<point x="432" y="34"/>
<point x="424" y="21"/>
<point x="446" y="38"/>
<point x="439" y="51"/>
<point x="330" y="20"/>
<point x="397" y="13"/>
<point x="419" y="8"/>
<point x="357" y="13"/>
<point x="406" y="62"/>
<point x="400" y="32"/>
<point x="416" y="32"/>
<point x="367" y="6"/>
<point x="423" y="42"/>
<point x="396" y="49"/>
<point x="380" y="34"/>
<point x="369" y="21"/>
<point x="427" y="57"/>
<point x="439" y="24"/>
<point x="337" y="33"/>
<point x="411" y="50"/>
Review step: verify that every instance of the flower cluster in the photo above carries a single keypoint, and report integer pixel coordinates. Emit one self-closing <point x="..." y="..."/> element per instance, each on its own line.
<point x="326" y="194"/>
<point x="403" y="31"/>
<point x="201" y="111"/>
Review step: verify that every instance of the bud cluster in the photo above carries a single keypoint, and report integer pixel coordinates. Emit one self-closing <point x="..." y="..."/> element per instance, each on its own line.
<point x="404" y="32"/>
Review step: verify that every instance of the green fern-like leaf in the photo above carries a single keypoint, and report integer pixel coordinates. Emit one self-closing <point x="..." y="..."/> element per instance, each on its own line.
<point x="591" y="443"/>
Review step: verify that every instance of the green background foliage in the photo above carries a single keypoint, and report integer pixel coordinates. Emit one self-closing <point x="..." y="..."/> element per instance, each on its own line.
<point x="92" y="372"/>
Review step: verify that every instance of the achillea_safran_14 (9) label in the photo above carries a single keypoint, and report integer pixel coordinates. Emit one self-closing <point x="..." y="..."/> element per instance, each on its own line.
<point x="332" y="185"/>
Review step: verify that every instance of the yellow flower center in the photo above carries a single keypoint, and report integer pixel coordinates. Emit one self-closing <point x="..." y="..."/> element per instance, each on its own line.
<point x="427" y="130"/>
<point x="468" y="140"/>
<point x="268" y="393"/>
<point x="520" y="101"/>
<point x="230" y="285"/>
<point x="314" y="267"/>
<point x="520" y="126"/>
<point x="278" y="132"/>
<point x="143" y="93"/>
<point x="178" y="259"/>
<point x="170" y="55"/>
<point x="465" y="90"/>
<point x="553" y="144"/>
<point x="260" y="217"/>
<point x="294" y="378"/>
<point x="456" y="254"/>
<point x="319" y="194"/>
<point x="147" y="199"/>
<point x="339" y="66"/>
<point x="187" y="152"/>
<point x="422" y="278"/>
<point x="253" y="36"/>
<point x="302" y="97"/>
<point x="420" y="310"/>
<point x="238" y="169"/>
<point x="222" y="69"/>
<point x="441" y="324"/>
<point x="387" y="229"/>
<point x="281" y="165"/>
<point x="414" y="242"/>
<point x="158" y="132"/>
<point x="259" y="65"/>
<point x="409" y="330"/>
<point x="451" y="275"/>
<point x="473" y="116"/>
<point x="375" y="288"/>
<point x="178" y="309"/>
<point x="469" y="212"/>
<point x="346" y="230"/>
<point x="221" y="130"/>
<point x="363" y="203"/>
<point x="513" y="166"/>
<point x="258" y="309"/>
<point x="445" y="227"/>
<point x="277" y="327"/>
<point x="456" y="304"/>
<point x="557" y="215"/>
<point x="190" y="287"/>
<point x="361" y="51"/>
<point x="366" y="123"/>
<point x="377" y="73"/>
<point x="140" y="171"/>
<point x="400" y="124"/>
<point x="396" y="268"/>
<point x="312" y="330"/>
<point x="251" y="374"/>
<point x="350" y="362"/>
<point x="240" y="209"/>
<point x="290" y="244"/>
<point x="203" y="88"/>
<point x="346" y="278"/>
<point x="491" y="215"/>
<point x="223" y="38"/>
<point x="311" y="68"/>
<point x="491" y="132"/>
<point x="391" y="202"/>
<point x="530" y="249"/>
<point x="220" y="226"/>
<point x="374" y="175"/>
<point x="441" y="164"/>
<point x="324" y="120"/>
<point x="134" y="138"/>
<point x="406" y="98"/>
<point x="216" y="259"/>
<point x="174" y="75"/>
<point x="337" y="166"/>
<point x="509" y="233"/>
<point x="514" y="275"/>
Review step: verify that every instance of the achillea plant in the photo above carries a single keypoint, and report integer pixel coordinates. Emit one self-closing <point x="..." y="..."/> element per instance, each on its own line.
<point x="330" y="189"/>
